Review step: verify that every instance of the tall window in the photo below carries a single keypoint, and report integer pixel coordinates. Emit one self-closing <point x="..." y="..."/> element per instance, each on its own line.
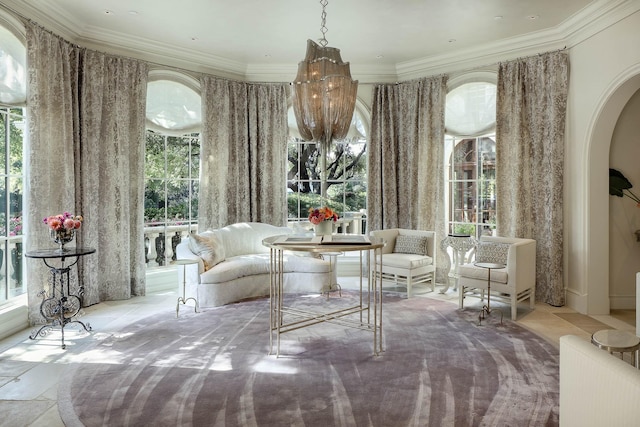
<point x="339" y="180"/>
<point x="172" y="168"/>
<point x="470" y="153"/>
<point x="472" y="186"/>
<point x="172" y="164"/>
<point x="11" y="185"/>
<point x="13" y="89"/>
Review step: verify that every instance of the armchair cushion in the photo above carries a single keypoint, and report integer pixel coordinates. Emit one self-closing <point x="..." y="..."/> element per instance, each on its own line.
<point x="473" y="272"/>
<point x="408" y="261"/>
<point x="407" y="244"/>
<point x="208" y="247"/>
<point x="494" y="252"/>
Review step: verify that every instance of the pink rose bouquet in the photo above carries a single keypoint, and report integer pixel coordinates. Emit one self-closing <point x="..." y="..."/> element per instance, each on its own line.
<point x="65" y="221"/>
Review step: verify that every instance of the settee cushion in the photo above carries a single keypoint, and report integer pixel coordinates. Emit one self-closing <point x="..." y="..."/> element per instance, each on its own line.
<point x="208" y="247"/>
<point x="493" y="252"/>
<point x="253" y="264"/>
<point x="406" y="244"/>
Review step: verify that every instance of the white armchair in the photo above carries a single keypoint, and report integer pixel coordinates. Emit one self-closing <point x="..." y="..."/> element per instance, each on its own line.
<point x="409" y="257"/>
<point x="514" y="283"/>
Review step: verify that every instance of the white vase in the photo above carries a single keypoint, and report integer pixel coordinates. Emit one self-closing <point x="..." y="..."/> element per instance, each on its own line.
<point x="324" y="228"/>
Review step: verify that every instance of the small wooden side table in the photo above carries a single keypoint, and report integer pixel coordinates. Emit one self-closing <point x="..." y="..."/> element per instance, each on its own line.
<point x="183" y="299"/>
<point x="615" y="341"/>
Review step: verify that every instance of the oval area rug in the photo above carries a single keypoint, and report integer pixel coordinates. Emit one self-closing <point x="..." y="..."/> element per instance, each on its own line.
<point x="213" y="369"/>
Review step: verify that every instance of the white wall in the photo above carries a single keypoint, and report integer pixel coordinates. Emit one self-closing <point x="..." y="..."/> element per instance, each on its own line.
<point x="624" y="215"/>
<point x="605" y="73"/>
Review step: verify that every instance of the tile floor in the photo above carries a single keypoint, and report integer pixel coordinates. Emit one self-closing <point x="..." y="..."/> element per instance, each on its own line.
<point x="30" y="370"/>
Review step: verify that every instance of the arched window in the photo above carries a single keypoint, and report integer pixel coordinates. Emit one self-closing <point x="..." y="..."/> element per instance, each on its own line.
<point x="471" y="155"/>
<point x="172" y="163"/>
<point x="342" y="184"/>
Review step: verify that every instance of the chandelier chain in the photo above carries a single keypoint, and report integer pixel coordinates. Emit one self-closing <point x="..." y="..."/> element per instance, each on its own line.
<point x="323" y="24"/>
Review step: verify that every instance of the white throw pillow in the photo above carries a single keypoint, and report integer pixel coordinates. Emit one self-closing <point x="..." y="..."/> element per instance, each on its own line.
<point x="208" y="247"/>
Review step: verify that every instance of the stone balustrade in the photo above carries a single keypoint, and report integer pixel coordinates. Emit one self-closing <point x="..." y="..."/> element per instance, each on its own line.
<point x="160" y="242"/>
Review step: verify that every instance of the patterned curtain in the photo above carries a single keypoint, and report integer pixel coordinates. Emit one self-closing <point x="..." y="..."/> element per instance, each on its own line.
<point x="531" y="110"/>
<point x="77" y="139"/>
<point x="243" y="155"/>
<point x="406" y="157"/>
<point x="110" y="175"/>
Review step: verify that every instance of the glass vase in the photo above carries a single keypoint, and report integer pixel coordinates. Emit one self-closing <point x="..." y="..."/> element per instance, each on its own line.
<point x="62" y="237"/>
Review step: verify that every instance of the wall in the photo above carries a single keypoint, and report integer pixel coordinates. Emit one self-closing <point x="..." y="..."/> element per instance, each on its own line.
<point x="605" y="73"/>
<point x="624" y="215"/>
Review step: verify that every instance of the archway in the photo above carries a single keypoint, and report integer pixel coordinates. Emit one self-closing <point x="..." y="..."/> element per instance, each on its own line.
<point x="597" y="177"/>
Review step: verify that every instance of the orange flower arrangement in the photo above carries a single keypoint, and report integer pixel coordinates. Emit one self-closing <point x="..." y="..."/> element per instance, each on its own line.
<point x="317" y="215"/>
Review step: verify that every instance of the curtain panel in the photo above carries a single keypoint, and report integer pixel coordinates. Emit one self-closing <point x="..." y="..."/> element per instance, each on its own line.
<point x="244" y="138"/>
<point x="406" y="157"/>
<point x="85" y="144"/>
<point x="531" y="112"/>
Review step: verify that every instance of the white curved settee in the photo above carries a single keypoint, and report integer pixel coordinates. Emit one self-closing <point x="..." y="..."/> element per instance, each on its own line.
<point x="241" y="267"/>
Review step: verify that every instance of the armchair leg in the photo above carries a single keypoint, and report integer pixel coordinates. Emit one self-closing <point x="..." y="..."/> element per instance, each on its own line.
<point x="409" y="287"/>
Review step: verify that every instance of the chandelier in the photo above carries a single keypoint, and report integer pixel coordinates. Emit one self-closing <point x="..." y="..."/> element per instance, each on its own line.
<point x="324" y="95"/>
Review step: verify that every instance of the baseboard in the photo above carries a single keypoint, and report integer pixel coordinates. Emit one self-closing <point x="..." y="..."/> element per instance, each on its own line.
<point x="161" y="279"/>
<point x="13" y="319"/>
<point x="622" y="302"/>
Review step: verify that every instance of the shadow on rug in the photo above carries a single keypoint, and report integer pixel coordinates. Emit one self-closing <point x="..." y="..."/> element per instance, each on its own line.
<point x="213" y="369"/>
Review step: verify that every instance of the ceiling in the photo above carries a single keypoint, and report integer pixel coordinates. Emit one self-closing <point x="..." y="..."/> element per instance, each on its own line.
<point x="253" y="39"/>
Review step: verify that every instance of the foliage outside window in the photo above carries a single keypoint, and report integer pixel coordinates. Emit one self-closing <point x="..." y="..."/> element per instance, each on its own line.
<point x="12" y="122"/>
<point x="172" y="169"/>
<point x="341" y="186"/>
<point x="472" y="185"/>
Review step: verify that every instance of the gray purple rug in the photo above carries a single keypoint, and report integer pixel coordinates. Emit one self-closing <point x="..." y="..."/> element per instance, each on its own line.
<point x="213" y="369"/>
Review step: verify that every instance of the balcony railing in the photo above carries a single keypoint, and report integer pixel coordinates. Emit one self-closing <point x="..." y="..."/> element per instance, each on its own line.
<point x="160" y="242"/>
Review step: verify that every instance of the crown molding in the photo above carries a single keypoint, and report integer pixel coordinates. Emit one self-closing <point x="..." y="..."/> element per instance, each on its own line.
<point x="580" y="26"/>
<point x="161" y="54"/>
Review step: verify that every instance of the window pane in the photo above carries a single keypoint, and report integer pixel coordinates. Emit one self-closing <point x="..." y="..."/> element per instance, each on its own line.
<point x="177" y="157"/>
<point x="195" y="158"/>
<point x="4" y="120"/>
<point x="15" y="207"/>
<point x="345" y="173"/>
<point x="154" y="202"/>
<point x="154" y="166"/>
<point x="171" y="193"/>
<point x="472" y="198"/>
<point x="178" y="200"/>
<point x="16" y="130"/>
<point x="195" y="190"/>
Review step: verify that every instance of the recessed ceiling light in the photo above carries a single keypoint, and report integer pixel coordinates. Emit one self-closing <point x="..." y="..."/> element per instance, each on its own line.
<point x="452" y="40"/>
<point x="498" y="17"/>
<point x="108" y="12"/>
<point x="379" y="56"/>
<point x="194" y="39"/>
<point x="133" y="12"/>
<point x="533" y="17"/>
<point x="266" y="55"/>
